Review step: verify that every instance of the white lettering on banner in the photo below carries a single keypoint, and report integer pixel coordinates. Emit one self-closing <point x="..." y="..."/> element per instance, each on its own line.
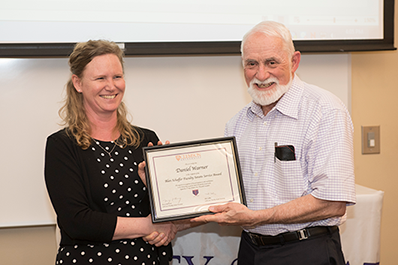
<point x="189" y="261"/>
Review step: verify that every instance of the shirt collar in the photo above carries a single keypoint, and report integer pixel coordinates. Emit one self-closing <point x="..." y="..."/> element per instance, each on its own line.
<point x="287" y="105"/>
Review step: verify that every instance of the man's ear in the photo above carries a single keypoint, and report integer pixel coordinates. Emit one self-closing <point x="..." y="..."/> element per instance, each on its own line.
<point x="295" y="61"/>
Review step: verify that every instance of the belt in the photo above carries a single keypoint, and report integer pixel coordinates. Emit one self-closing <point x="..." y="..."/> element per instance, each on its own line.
<point x="261" y="240"/>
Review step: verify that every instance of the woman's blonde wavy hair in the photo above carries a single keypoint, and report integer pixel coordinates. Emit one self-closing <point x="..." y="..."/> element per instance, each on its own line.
<point x="73" y="113"/>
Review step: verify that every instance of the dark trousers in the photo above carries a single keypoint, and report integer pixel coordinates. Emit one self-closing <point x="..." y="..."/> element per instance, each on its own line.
<point x="319" y="250"/>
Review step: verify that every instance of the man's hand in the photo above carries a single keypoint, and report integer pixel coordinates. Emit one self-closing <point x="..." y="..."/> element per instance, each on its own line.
<point x="229" y="214"/>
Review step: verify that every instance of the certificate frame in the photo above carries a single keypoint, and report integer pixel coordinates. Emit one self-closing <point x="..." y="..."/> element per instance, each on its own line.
<point x="184" y="179"/>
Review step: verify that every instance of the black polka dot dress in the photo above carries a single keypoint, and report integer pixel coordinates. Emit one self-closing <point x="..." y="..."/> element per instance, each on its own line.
<point x="123" y="194"/>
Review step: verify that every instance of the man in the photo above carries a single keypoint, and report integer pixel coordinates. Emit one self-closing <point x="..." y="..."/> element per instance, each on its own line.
<point x="296" y="153"/>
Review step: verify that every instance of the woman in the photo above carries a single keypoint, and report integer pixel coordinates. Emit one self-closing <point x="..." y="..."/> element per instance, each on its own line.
<point x="92" y="165"/>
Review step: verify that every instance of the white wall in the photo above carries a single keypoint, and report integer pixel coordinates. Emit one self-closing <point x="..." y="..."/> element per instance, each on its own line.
<point x="181" y="98"/>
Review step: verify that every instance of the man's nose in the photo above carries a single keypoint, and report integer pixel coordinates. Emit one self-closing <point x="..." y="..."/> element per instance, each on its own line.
<point x="262" y="73"/>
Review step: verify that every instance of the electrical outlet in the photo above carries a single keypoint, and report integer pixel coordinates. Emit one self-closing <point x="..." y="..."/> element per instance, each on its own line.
<point x="370" y="139"/>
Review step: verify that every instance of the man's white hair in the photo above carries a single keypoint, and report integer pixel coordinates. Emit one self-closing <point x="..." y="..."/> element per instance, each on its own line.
<point x="272" y="29"/>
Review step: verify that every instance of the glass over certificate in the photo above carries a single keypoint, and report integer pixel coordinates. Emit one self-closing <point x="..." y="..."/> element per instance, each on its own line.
<point x="184" y="179"/>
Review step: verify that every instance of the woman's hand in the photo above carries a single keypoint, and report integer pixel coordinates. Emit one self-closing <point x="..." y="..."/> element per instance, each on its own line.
<point x="141" y="172"/>
<point x="165" y="232"/>
<point x="141" y="166"/>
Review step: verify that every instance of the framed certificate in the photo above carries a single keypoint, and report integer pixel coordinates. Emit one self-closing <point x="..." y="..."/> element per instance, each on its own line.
<point x="184" y="179"/>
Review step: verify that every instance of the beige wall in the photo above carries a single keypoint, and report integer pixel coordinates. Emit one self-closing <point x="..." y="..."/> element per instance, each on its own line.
<point x="28" y="245"/>
<point x="374" y="102"/>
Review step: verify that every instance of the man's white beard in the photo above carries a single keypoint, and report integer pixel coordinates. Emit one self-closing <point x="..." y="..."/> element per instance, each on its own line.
<point x="264" y="98"/>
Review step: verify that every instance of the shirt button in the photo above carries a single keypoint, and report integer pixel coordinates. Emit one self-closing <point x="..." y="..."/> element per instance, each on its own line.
<point x="259" y="149"/>
<point x="251" y="200"/>
<point x="256" y="174"/>
<point x="265" y="123"/>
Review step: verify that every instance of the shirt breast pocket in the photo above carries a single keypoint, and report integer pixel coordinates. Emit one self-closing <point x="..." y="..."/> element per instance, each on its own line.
<point x="289" y="179"/>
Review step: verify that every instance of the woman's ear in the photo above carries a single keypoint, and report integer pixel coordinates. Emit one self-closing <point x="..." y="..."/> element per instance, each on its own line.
<point x="77" y="83"/>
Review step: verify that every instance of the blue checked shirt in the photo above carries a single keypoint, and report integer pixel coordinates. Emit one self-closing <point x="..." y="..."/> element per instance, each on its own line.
<point x="319" y="127"/>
